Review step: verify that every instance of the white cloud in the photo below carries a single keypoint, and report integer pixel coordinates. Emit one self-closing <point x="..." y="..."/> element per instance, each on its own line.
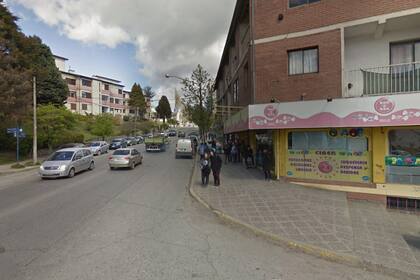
<point x="171" y="36"/>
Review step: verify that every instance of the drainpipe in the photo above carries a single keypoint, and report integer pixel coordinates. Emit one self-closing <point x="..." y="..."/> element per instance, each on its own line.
<point x="254" y="88"/>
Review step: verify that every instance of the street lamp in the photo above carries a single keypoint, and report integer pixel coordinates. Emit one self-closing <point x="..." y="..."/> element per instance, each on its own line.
<point x="167" y="76"/>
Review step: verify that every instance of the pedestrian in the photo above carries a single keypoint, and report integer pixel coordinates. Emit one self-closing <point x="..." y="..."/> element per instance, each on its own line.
<point x="216" y="166"/>
<point x="227" y="149"/>
<point x="234" y="153"/>
<point x="202" y="150"/>
<point x="205" y="170"/>
<point x="249" y="156"/>
<point x="266" y="163"/>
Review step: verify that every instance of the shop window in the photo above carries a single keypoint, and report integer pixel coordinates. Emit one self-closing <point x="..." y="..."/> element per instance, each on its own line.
<point x="264" y="141"/>
<point x="403" y="160"/>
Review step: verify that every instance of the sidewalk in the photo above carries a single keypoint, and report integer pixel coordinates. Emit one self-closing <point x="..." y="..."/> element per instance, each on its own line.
<point x="318" y="221"/>
<point x="6" y="169"/>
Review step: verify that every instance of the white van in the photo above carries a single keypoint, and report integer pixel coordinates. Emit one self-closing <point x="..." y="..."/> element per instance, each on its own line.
<point x="184" y="148"/>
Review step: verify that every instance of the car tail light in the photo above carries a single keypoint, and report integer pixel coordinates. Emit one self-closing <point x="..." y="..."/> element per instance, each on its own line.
<point x="127" y="158"/>
<point x="110" y="158"/>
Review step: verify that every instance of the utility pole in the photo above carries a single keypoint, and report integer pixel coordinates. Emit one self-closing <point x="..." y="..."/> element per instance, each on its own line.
<point x="35" y="136"/>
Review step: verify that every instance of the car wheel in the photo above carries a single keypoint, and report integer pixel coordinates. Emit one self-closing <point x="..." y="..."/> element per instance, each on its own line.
<point x="92" y="165"/>
<point x="71" y="173"/>
<point x="112" y="168"/>
<point x="133" y="165"/>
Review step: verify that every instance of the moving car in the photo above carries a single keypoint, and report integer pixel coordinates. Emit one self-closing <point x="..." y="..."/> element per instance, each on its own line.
<point x="118" y="143"/>
<point x="139" y="139"/>
<point x="128" y="157"/>
<point x="66" y="163"/>
<point x="181" y="134"/>
<point x="172" y="133"/>
<point x="72" y="145"/>
<point x="99" y="147"/>
<point x="184" y="148"/>
<point x="155" y="144"/>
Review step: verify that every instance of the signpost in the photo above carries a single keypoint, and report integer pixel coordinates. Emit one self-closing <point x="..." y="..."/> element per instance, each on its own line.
<point x="18" y="133"/>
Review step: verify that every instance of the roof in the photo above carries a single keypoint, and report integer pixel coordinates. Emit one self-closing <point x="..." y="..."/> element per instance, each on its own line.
<point x="60" y="57"/>
<point x="231" y="34"/>
<point x="106" y="78"/>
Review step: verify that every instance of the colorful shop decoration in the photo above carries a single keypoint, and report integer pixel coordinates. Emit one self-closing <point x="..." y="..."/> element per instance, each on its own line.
<point x="329" y="165"/>
<point x="344" y="132"/>
<point x="402" y="161"/>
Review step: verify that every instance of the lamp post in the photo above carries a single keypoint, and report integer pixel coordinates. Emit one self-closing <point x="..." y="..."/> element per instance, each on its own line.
<point x="35" y="140"/>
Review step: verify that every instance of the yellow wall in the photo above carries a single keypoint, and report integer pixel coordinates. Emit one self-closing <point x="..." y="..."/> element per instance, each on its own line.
<point x="379" y="151"/>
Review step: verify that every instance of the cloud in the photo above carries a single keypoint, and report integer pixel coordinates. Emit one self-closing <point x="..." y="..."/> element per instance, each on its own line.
<point x="171" y="36"/>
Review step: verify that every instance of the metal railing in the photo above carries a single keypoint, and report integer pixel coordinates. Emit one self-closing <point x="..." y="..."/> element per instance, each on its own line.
<point x="390" y="79"/>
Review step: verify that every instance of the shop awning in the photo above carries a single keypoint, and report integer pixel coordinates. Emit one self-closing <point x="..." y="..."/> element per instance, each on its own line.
<point x="373" y="111"/>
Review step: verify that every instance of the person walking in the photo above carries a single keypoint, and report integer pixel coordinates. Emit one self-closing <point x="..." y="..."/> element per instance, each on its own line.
<point x="216" y="166"/>
<point x="249" y="156"/>
<point x="234" y="153"/>
<point x="202" y="150"/>
<point x="205" y="170"/>
<point x="266" y="164"/>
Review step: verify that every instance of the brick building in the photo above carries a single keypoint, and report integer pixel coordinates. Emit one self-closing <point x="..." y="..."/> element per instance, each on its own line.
<point x="332" y="88"/>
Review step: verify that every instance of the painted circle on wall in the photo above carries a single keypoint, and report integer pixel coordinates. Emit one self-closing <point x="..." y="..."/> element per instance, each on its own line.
<point x="270" y="112"/>
<point x="384" y="105"/>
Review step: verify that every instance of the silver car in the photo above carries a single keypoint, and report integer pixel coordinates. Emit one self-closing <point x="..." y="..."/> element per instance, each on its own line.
<point x="99" y="147"/>
<point x="66" y="163"/>
<point x="128" y="157"/>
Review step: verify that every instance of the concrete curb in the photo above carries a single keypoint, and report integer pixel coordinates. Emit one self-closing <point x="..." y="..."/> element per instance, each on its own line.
<point x="302" y="247"/>
<point x="14" y="171"/>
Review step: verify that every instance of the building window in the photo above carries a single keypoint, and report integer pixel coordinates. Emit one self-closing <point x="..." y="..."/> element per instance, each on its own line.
<point x="303" y="61"/>
<point x="117" y="101"/>
<point x="111" y="100"/>
<point x="235" y="92"/>
<point x="72" y="94"/>
<point x="406" y="52"/>
<point x="71" y="81"/>
<point x="120" y="91"/>
<point x="73" y="106"/>
<point x="84" y="107"/>
<point x="106" y="86"/>
<point x="86" y="95"/>
<point x="104" y="98"/>
<point x="86" y="83"/>
<point x="296" y="3"/>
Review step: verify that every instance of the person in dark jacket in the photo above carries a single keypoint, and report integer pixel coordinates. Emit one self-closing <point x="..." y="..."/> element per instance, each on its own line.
<point x="205" y="169"/>
<point x="216" y="166"/>
<point x="249" y="156"/>
<point x="266" y="164"/>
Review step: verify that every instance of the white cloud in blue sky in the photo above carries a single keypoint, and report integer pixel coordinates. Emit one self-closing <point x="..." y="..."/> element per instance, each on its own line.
<point x="169" y="36"/>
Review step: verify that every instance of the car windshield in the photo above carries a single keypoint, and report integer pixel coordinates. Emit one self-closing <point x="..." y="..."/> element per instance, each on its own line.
<point x="121" y="152"/>
<point x="61" y="156"/>
<point x="116" y="140"/>
<point x="95" y="144"/>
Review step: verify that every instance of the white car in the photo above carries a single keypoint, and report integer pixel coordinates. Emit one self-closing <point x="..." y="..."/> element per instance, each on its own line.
<point x="184" y="148"/>
<point x="99" y="147"/>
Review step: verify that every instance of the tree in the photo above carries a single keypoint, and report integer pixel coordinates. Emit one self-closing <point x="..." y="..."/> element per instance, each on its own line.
<point x="198" y="99"/>
<point x="137" y="101"/>
<point x="163" y="109"/>
<point x="103" y="126"/>
<point x="54" y="123"/>
<point x="148" y="92"/>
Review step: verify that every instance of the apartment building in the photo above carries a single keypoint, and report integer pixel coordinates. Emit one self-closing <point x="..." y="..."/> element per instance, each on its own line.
<point x="93" y="95"/>
<point x="331" y="88"/>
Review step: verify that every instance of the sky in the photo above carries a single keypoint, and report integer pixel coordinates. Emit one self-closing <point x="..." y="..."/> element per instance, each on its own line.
<point x="131" y="40"/>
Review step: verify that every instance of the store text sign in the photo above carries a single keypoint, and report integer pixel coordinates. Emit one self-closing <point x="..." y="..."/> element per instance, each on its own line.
<point x="329" y="165"/>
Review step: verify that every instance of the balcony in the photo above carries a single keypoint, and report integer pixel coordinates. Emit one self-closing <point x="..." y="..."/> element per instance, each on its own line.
<point x="390" y="79"/>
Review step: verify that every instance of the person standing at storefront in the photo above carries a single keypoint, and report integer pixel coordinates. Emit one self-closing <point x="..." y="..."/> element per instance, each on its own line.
<point x="266" y="164"/>
<point x="234" y="152"/>
<point x="249" y="156"/>
<point x="227" y="148"/>
<point x="216" y="166"/>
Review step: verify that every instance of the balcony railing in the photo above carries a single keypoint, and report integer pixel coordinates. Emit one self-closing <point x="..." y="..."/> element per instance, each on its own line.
<point x="390" y="79"/>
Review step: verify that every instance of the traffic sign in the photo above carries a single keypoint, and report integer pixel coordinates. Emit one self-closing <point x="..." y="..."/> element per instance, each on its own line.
<point x="14" y="130"/>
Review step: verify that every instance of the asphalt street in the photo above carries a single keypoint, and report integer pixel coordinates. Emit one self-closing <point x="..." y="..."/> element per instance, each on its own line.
<point x="135" y="224"/>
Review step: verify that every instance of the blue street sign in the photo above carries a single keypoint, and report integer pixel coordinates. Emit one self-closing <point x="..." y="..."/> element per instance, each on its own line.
<point x="14" y="130"/>
<point x="21" y="135"/>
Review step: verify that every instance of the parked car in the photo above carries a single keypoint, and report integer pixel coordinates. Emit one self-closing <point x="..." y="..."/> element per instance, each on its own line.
<point x="99" y="147"/>
<point x="181" y="134"/>
<point x="130" y="141"/>
<point x="128" y="157"/>
<point x="140" y="139"/>
<point x="184" y="148"/>
<point x="172" y="133"/>
<point x="66" y="163"/>
<point x="71" y="145"/>
<point x="118" y="143"/>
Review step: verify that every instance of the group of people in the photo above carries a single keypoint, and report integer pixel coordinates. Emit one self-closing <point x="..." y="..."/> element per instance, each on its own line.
<point x="236" y="151"/>
<point x="210" y="162"/>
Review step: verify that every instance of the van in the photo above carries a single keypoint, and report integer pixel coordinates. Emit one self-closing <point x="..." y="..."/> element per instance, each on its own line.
<point x="184" y="148"/>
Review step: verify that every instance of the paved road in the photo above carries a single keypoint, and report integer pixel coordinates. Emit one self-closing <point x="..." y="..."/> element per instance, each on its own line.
<point x="134" y="224"/>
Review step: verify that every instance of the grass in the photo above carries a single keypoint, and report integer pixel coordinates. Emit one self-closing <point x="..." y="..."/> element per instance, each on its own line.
<point x="7" y="158"/>
<point x="17" y="166"/>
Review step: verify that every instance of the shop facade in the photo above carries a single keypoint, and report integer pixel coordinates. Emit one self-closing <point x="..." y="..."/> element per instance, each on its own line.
<point x="362" y="141"/>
